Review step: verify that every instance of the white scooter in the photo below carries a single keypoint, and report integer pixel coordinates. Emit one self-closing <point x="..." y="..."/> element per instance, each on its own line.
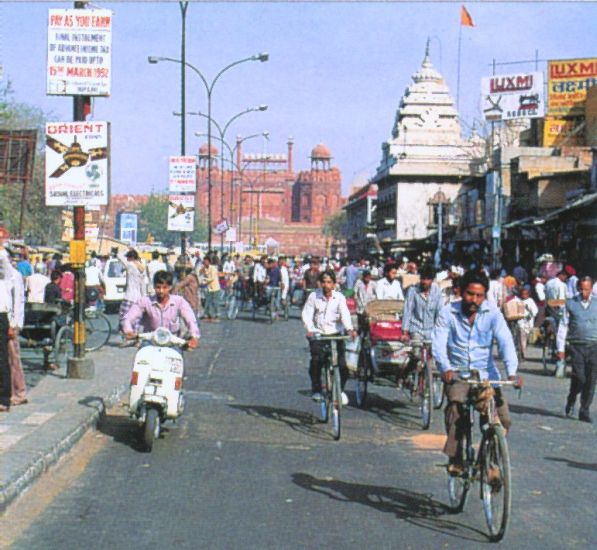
<point x="156" y="382"/>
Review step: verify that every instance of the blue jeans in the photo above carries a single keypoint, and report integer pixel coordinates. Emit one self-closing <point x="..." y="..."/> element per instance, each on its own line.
<point x="212" y="304"/>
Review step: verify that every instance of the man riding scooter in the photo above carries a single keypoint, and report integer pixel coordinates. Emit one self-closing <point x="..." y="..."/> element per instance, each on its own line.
<point x="162" y="310"/>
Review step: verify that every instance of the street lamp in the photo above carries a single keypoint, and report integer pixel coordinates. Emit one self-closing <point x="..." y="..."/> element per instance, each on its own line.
<point x="209" y="87"/>
<point x="234" y="166"/>
<point x="222" y="131"/>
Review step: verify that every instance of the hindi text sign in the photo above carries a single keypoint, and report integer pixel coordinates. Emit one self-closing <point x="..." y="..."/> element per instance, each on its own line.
<point x="567" y="84"/>
<point x="182" y="174"/>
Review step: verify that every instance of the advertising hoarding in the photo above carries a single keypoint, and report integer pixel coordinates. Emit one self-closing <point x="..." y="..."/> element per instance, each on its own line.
<point x="79" y="52"/>
<point x="126" y="227"/>
<point x="77" y="163"/>
<point x="221" y="227"/>
<point x="181" y="212"/>
<point x="567" y="83"/>
<point x="182" y="174"/>
<point x="510" y="96"/>
<point x="558" y="131"/>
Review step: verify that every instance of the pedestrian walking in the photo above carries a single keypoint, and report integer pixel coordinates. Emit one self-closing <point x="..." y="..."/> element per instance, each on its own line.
<point x="188" y="288"/>
<point x="527" y="323"/>
<point x="6" y="323"/>
<point x="579" y="328"/>
<point x="208" y="275"/>
<point x="135" y="281"/>
<point x="18" y="386"/>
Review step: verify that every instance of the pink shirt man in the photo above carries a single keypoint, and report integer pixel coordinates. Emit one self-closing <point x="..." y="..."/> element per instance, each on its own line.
<point x="152" y="316"/>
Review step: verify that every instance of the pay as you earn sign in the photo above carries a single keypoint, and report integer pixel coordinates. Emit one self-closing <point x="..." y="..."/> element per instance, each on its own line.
<point x="79" y="52"/>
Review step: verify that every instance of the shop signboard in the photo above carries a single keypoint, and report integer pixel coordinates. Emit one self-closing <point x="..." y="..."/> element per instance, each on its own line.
<point x="79" y="52"/>
<point x="567" y="83"/>
<point x="510" y="96"/>
<point x="181" y="212"/>
<point x="182" y="174"/>
<point x="77" y="163"/>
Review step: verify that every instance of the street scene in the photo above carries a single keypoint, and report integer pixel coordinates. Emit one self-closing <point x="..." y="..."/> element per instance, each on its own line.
<point x="263" y="285"/>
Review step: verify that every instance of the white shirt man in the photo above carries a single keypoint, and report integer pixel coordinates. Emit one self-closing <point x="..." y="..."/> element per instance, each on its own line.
<point x="328" y="316"/>
<point x="285" y="279"/>
<point x="259" y="273"/>
<point x="386" y="290"/>
<point x="229" y="266"/>
<point x="93" y="275"/>
<point x="36" y="286"/>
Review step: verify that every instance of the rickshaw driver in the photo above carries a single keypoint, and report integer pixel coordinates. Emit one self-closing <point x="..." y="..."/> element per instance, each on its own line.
<point x="326" y="312"/>
<point x="388" y="287"/>
<point x="462" y="340"/>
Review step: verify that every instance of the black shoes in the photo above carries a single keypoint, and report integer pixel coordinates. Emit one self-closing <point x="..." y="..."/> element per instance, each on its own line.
<point x="585" y="418"/>
<point x="569" y="410"/>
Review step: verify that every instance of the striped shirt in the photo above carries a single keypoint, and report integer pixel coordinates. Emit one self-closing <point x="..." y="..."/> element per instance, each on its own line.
<point x="421" y="311"/>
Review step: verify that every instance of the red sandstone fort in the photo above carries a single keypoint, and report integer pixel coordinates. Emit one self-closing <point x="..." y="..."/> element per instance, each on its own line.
<point x="264" y="198"/>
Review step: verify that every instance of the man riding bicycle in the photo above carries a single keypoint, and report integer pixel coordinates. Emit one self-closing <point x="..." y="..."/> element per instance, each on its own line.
<point x="462" y="343"/>
<point x="326" y="313"/>
<point x="422" y="307"/>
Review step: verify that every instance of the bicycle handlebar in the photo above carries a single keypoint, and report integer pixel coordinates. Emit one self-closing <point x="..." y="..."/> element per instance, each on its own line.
<point x="324" y="338"/>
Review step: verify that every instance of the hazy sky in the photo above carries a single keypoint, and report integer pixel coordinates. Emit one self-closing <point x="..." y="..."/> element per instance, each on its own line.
<point x="336" y="71"/>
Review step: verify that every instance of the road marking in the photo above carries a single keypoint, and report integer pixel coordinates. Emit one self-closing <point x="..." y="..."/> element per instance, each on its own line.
<point x="38" y="418"/>
<point x="212" y="365"/>
<point x="7" y="441"/>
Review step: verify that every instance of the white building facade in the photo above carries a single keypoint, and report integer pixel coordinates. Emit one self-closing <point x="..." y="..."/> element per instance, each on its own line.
<point x="423" y="164"/>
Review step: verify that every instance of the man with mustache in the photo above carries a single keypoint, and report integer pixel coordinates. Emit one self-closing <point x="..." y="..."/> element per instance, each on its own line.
<point x="462" y="343"/>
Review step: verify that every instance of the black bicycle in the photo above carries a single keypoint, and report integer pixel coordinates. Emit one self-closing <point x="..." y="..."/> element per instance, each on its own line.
<point x="490" y="466"/>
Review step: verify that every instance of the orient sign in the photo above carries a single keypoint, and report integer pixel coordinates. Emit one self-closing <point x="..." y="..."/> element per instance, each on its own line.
<point x="505" y="97"/>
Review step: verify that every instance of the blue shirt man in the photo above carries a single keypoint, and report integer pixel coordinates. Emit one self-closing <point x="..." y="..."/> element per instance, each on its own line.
<point x="423" y="304"/>
<point x="462" y="340"/>
<point x="352" y="274"/>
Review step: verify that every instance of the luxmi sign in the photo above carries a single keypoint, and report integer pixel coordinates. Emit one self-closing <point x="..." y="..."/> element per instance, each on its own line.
<point x="505" y="97"/>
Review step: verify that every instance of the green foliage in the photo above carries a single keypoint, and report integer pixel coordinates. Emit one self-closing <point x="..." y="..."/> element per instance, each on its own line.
<point x="153" y="220"/>
<point x="41" y="224"/>
<point x="336" y="226"/>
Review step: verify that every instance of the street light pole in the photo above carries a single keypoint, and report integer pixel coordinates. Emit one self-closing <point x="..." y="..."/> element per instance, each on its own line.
<point x="209" y="87"/>
<point x="183" y="68"/>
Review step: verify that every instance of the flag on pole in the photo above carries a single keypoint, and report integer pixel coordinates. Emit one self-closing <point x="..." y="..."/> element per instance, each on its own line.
<point x="465" y="18"/>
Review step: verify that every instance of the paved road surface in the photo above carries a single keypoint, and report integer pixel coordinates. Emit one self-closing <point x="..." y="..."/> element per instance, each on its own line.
<point x="249" y="466"/>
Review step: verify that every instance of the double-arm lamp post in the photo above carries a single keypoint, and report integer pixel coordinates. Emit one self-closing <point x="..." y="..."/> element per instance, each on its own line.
<point x="222" y="132"/>
<point x="209" y="88"/>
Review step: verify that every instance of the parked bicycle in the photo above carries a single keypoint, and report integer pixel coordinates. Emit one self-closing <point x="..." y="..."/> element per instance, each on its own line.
<point x="490" y="466"/>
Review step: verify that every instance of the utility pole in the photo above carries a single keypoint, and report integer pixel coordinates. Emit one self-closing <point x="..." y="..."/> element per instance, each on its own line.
<point x="79" y="366"/>
<point x="183" y="110"/>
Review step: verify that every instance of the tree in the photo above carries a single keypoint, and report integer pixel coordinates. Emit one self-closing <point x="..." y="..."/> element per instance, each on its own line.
<point x="41" y="224"/>
<point x="153" y="220"/>
<point x="336" y="226"/>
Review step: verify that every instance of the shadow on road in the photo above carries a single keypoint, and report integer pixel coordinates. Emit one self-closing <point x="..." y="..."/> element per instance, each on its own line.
<point x="415" y="508"/>
<point x="391" y="411"/>
<point x="299" y="421"/>
<point x="522" y="409"/>
<point x="122" y="430"/>
<point x="591" y="467"/>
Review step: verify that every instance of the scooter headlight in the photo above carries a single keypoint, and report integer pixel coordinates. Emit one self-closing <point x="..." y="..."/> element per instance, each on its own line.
<point x="161" y="337"/>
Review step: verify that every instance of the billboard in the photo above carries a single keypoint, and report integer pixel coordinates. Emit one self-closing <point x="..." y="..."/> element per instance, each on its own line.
<point x="182" y="174"/>
<point x="510" y="96"/>
<point x="181" y="212"/>
<point x="560" y="131"/>
<point x="77" y="163"/>
<point x="126" y="227"/>
<point x="79" y="52"/>
<point x="567" y="83"/>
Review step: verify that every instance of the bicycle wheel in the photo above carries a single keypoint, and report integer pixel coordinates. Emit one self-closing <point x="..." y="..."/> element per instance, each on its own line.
<point x="496" y="482"/>
<point x="271" y="310"/>
<point x="426" y="394"/>
<point x="363" y="373"/>
<point x="286" y="308"/>
<point x="97" y="331"/>
<point x="438" y="391"/>
<point x="336" y="404"/>
<point x="64" y="346"/>
<point x="458" y="488"/>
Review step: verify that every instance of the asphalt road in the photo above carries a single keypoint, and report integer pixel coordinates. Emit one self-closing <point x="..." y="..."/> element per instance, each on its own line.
<point x="249" y="466"/>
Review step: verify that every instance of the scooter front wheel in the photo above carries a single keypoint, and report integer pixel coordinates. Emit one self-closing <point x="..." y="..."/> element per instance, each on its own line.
<point x="151" y="431"/>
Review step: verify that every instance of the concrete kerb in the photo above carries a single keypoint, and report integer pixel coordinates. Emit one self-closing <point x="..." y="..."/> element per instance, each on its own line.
<point x="25" y="475"/>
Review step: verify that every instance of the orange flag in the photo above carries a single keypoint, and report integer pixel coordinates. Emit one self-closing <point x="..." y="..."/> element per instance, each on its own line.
<point x="465" y="18"/>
